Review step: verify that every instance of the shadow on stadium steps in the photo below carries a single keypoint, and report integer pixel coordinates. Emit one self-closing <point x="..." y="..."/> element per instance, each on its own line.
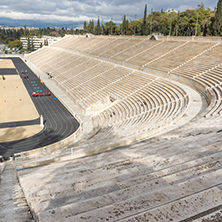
<point x="79" y="180"/>
<point x="124" y="179"/>
<point x="44" y="138"/>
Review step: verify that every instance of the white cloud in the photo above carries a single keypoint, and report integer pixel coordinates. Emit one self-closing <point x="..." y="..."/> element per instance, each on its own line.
<point x="40" y="17"/>
<point x="80" y="10"/>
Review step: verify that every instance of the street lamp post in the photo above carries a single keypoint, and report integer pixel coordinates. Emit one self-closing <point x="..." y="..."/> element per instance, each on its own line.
<point x="135" y="25"/>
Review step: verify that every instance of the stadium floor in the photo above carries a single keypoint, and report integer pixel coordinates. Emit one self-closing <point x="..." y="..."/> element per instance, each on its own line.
<point x="58" y="121"/>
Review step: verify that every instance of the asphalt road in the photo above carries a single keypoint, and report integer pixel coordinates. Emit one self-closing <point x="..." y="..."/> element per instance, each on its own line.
<point x="58" y="121"/>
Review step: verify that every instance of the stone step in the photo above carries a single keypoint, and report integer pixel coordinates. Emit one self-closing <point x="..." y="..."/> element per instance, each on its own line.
<point x="84" y="170"/>
<point x="73" y="183"/>
<point x="172" y="174"/>
<point x="66" y="195"/>
<point x="158" y="187"/>
<point x="88" y="160"/>
<point x="17" y="218"/>
<point x="201" y="189"/>
<point x="190" y="169"/>
<point x="181" y="209"/>
<point x="175" y="174"/>
<point x="91" y="163"/>
<point x="179" y="172"/>
<point x="13" y="203"/>
<point x="215" y="216"/>
<point x="87" y="163"/>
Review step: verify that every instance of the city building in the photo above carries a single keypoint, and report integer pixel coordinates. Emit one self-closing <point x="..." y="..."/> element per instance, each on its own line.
<point x="170" y="10"/>
<point x="36" y="42"/>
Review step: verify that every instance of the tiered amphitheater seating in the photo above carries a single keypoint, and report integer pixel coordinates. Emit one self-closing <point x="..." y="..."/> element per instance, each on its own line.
<point x="200" y="69"/>
<point x="139" y="106"/>
<point x="201" y="62"/>
<point x="172" y="178"/>
<point x="178" y="56"/>
<point x="89" y="80"/>
<point x="150" y="104"/>
<point x="188" y="59"/>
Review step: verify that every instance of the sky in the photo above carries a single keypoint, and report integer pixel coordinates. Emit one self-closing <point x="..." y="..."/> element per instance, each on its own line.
<point x="69" y="13"/>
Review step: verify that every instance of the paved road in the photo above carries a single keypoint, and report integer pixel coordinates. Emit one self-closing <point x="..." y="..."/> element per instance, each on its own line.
<point x="58" y="122"/>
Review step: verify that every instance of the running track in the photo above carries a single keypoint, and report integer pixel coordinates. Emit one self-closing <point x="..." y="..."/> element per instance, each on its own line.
<point x="58" y="121"/>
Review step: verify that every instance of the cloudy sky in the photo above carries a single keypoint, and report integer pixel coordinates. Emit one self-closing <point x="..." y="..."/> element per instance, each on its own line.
<point x="43" y="13"/>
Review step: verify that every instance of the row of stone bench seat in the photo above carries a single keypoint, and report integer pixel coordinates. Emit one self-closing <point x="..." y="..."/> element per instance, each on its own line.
<point x="159" y="55"/>
<point x="181" y="172"/>
<point x="122" y="81"/>
<point x="147" y="97"/>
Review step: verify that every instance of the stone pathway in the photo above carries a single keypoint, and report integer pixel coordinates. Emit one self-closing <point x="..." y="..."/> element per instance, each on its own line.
<point x="13" y="205"/>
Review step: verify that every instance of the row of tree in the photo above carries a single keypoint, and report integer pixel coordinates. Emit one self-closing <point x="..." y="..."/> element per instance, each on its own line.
<point x="202" y="21"/>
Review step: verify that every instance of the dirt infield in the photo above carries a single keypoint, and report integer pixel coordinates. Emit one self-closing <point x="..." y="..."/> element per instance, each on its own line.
<point x="15" y="102"/>
<point x="15" y="105"/>
<point x="18" y="133"/>
<point x="6" y="64"/>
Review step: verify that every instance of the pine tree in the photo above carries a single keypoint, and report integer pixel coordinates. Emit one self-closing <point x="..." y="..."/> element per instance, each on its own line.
<point x="151" y="21"/>
<point x="178" y="22"/>
<point x="32" y="45"/>
<point x="144" y="21"/>
<point x="25" y="30"/>
<point x="28" y="45"/>
<point x="85" y="26"/>
<point x="91" y="26"/>
<point x="98" y="28"/>
<point x="124" y="25"/>
<point x="218" y="18"/>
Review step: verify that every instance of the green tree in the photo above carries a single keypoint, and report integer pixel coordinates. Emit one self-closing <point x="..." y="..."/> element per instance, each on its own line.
<point x="17" y="44"/>
<point x="91" y="26"/>
<point x="45" y="42"/>
<point x="32" y="45"/>
<point x="178" y="23"/>
<point x="98" y="28"/>
<point x="144" y="21"/>
<point x="85" y="27"/>
<point x="125" y="25"/>
<point x="28" y="45"/>
<point x="25" y="30"/>
<point x="218" y="18"/>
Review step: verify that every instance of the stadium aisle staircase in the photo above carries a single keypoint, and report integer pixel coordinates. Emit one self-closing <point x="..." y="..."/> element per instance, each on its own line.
<point x="13" y="205"/>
